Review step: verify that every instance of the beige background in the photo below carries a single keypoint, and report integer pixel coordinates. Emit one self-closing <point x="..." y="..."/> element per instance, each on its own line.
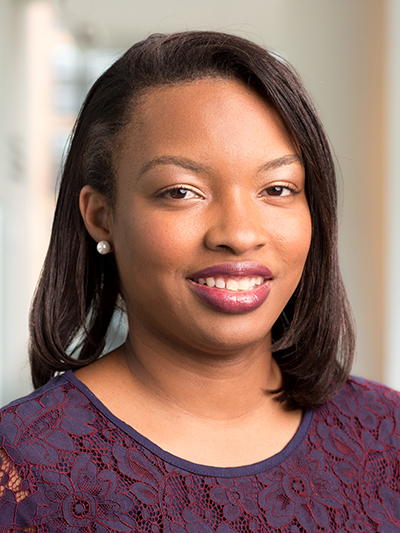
<point x="348" y="55"/>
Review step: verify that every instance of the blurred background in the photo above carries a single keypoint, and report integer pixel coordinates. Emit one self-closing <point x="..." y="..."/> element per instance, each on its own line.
<point x="346" y="52"/>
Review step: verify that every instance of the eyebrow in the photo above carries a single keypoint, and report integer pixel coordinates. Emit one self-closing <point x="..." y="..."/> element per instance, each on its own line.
<point x="281" y="162"/>
<point x="189" y="164"/>
<point x="183" y="162"/>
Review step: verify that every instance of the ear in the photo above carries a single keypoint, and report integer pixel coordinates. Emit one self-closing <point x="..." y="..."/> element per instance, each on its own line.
<point x="96" y="214"/>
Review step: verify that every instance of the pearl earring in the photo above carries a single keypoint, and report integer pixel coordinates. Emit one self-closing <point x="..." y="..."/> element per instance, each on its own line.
<point x="103" y="247"/>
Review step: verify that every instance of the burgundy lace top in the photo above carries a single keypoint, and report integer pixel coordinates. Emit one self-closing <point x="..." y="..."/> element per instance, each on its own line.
<point x="68" y="465"/>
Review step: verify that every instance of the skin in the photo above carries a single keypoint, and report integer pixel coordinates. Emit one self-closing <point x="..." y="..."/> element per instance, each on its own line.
<point x="191" y="378"/>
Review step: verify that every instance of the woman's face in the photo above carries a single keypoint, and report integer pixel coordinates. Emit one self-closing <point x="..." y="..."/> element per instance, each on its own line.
<point x="211" y="226"/>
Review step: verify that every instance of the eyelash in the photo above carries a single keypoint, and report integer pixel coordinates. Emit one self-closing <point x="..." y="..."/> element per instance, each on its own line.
<point x="287" y="186"/>
<point x="185" y="188"/>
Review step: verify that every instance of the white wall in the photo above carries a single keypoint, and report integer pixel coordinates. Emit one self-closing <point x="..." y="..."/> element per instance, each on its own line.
<point x="392" y="196"/>
<point x="14" y="267"/>
<point x="340" y="48"/>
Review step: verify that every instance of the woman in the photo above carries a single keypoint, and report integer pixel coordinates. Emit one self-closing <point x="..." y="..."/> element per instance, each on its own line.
<point x="199" y="194"/>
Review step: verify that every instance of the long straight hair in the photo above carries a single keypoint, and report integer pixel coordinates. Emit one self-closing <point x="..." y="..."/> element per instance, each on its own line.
<point x="313" y="339"/>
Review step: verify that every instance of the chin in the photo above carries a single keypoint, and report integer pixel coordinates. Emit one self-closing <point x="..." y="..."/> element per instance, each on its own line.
<point x="227" y="339"/>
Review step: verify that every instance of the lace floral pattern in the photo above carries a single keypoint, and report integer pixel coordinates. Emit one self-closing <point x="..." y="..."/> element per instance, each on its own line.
<point x="67" y="465"/>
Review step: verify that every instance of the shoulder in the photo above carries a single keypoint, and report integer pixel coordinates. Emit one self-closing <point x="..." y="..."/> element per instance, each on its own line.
<point x="370" y="385"/>
<point x="360" y="393"/>
<point x="32" y="426"/>
<point x="366" y="409"/>
<point x="37" y="434"/>
<point x="25" y="406"/>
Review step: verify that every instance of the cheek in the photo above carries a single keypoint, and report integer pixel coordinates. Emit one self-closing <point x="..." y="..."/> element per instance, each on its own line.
<point x="157" y="243"/>
<point x="293" y="239"/>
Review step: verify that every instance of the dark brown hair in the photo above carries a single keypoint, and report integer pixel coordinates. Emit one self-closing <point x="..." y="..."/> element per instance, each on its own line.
<point x="313" y="339"/>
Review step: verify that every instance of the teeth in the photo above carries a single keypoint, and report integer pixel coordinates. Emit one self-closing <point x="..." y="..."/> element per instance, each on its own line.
<point x="232" y="285"/>
<point x="220" y="283"/>
<point x="242" y="284"/>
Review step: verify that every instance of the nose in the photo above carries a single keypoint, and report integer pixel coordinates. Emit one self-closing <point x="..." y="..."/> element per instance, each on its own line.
<point x="236" y="224"/>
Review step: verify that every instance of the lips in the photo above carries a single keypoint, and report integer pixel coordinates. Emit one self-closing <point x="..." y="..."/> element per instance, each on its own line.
<point x="232" y="287"/>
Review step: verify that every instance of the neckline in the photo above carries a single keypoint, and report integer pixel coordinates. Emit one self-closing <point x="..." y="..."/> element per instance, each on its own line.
<point x="188" y="466"/>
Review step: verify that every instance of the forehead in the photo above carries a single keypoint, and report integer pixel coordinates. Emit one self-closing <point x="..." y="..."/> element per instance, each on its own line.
<point x="213" y="112"/>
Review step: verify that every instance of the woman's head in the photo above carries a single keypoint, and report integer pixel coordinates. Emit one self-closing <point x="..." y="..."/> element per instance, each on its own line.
<point x="85" y="287"/>
<point x="209" y="187"/>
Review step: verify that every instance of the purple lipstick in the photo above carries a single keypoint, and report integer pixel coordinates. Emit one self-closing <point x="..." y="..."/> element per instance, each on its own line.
<point x="232" y="287"/>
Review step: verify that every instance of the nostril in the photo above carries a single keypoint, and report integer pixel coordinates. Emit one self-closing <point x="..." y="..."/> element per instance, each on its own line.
<point x="237" y="240"/>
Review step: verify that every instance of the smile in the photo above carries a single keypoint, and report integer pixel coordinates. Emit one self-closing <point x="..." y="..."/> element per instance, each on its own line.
<point x="232" y="287"/>
<point x="231" y="284"/>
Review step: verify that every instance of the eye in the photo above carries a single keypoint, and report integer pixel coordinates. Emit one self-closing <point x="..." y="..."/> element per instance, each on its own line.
<point x="178" y="193"/>
<point x="279" y="190"/>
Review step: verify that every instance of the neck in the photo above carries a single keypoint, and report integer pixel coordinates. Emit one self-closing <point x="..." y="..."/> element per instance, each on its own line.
<point x="208" y="408"/>
<point x="204" y="385"/>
